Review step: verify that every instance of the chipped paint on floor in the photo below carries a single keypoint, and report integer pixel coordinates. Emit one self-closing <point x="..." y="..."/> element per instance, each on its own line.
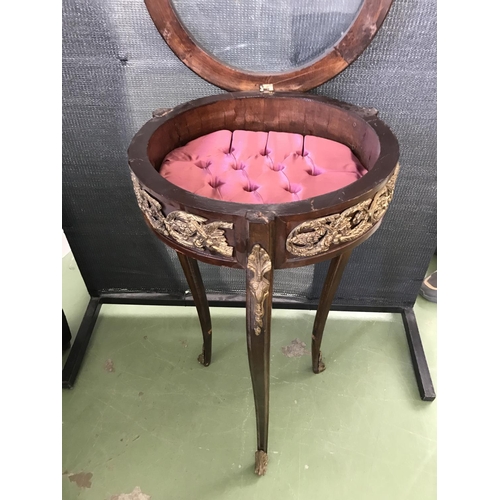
<point x="109" y="366"/>
<point x="295" y="349"/>
<point x="135" y="494"/>
<point x="81" y="479"/>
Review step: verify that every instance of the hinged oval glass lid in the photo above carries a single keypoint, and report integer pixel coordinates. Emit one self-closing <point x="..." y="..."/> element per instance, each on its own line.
<point x="282" y="45"/>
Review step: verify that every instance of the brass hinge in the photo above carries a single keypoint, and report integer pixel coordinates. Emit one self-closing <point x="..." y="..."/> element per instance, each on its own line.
<point x="161" y="112"/>
<point x="267" y="88"/>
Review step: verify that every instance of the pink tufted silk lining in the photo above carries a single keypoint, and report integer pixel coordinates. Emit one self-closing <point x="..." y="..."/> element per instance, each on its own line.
<point x="261" y="167"/>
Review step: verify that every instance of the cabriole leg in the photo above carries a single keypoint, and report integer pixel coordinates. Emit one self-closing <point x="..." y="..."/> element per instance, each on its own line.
<point x="259" y="286"/>
<point x="195" y="282"/>
<point x="333" y="277"/>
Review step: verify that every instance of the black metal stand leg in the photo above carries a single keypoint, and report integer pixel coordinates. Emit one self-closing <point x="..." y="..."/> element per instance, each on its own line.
<point x="75" y="358"/>
<point x="420" y="366"/>
<point x="66" y="333"/>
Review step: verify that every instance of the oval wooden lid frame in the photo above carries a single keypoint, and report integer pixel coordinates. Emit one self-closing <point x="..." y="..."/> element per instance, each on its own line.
<point x="361" y="32"/>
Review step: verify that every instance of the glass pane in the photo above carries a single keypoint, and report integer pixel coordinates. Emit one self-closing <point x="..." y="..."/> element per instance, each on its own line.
<point x="267" y="36"/>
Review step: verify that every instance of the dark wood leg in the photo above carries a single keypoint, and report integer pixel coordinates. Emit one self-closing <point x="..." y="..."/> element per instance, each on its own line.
<point x="258" y="318"/>
<point x="195" y="282"/>
<point x="333" y="277"/>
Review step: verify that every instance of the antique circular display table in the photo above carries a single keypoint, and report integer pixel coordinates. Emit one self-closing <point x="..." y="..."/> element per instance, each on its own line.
<point x="262" y="237"/>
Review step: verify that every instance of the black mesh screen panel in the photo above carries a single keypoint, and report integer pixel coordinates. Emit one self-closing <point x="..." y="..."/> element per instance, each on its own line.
<point x="117" y="69"/>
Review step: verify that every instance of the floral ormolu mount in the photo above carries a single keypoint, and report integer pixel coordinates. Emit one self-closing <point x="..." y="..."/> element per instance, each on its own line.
<point x="318" y="235"/>
<point x="187" y="229"/>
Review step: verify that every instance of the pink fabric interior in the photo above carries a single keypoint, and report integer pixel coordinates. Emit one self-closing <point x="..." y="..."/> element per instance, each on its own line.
<point x="261" y="167"/>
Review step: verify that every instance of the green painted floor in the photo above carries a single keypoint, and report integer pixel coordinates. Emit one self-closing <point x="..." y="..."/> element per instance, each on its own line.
<point x="144" y="413"/>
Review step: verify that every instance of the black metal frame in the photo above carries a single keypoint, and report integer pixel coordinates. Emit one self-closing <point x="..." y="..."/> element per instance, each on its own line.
<point x="75" y="358"/>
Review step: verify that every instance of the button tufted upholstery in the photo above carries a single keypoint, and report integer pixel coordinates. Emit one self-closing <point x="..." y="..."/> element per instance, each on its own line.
<point x="261" y="167"/>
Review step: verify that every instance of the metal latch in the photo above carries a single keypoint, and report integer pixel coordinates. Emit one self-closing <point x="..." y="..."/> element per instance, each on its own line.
<point x="267" y="87"/>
